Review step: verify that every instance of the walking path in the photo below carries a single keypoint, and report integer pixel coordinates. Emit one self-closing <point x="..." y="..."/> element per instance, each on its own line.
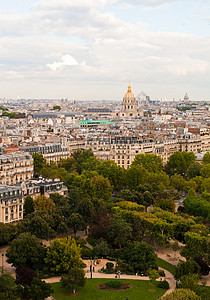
<point x="169" y="277"/>
<point x="166" y="254"/>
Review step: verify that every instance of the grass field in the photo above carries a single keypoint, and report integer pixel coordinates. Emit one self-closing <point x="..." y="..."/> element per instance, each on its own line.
<point x="165" y="265"/>
<point x="140" y="290"/>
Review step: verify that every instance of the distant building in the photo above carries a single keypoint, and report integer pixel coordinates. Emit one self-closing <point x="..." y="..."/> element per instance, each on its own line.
<point x="129" y="107"/>
<point x="51" y="152"/>
<point x="186" y="98"/>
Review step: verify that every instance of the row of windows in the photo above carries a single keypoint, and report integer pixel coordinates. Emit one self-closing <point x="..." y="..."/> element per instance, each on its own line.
<point x="11" y="193"/>
<point x="13" y="209"/>
<point x="12" y="217"/>
<point x="128" y="162"/>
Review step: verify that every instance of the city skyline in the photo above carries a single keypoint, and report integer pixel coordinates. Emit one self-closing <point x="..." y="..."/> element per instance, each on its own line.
<point x="92" y="49"/>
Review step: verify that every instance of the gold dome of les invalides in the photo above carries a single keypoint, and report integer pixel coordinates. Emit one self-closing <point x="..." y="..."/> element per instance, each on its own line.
<point x="129" y="95"/>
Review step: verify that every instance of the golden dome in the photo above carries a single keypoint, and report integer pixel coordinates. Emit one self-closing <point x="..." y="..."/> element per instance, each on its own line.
<point x="129" y="94"/>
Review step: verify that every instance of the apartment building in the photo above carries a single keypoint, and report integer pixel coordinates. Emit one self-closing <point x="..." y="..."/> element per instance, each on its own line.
<point x="51" y="152"/>
<point x="15" y="167"/>
<point x="12" y="197"/>
<point x="42" y="186"/>
<point x="11" y="204"/>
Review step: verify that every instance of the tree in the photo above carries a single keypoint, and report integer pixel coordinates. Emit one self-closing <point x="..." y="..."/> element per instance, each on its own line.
<point x="192" y="193"/>
<point x="83" y="184"/>
<point x="74" y="279"/>
<point x="182" y="294"/>
<point x="24" y="275"/>
<point x="85" y="208"/>
<point x="206" y="158"/>
<point x="40" y="228"/>
<point x="148" y="199"/>
<point x="26" y="251"/>
<point x="165" y="204"/>
<point x="185" y="268"/>
<point x="203" y="266"/>
<point x="103" y="188"/>
<point x="44" y="203"/>
<point x="7" y="233"/>
<point x="175" y="246"/>
<point x="189" y="281"/>
<point x="140" y="256"/>
<point x="196" y="245"/>
<point x="56" y="107"/>
<point x="101" y="249"/>
<point x="178" y="182"/>
<point x="205" y="171"/>
<point x="119" y="231"/>
<point x="150" y="162"/>
<point x="197" y="206"/>
<point x="176" y="164"/>
<point x="39" y="163"/>
<point x="189" y="158"/>
<point x="8" y="288"/>
<point x="63" y="254"/>
<point x="76" y="222"/>
<point x="114" y="173"/>
<point x="68" y="164"/>
<point x="37" y="290"/>
<point x="153" y="275"/>
<point x="81" y="157"/>
<point x="194" y="170"/>
<point x="28" y="205"/>
<point x="135" y="176"/>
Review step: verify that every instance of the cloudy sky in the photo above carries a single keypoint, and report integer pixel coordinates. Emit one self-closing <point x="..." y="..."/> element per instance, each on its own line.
<point x="91" y="49"/>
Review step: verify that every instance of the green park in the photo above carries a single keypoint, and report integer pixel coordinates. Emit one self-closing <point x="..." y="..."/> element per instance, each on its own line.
<point x="136" y="233"/>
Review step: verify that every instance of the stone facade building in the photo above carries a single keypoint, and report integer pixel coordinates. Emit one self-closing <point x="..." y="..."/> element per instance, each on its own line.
<point x="15" y="167"/>
<point x="11" y="204"/>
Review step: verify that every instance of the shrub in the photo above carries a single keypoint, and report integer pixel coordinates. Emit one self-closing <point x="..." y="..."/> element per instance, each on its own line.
<point x="161" y="273"/>
<point x="114" y="284"/>
<point x="109" y="266"/>
<point x="86" y="252"/>
<point x="92" y="241"/>
<point x="163" y="285"/>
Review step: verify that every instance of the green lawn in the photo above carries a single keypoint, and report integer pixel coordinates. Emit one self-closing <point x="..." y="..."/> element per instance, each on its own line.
<point x="140" y="290"/>
<point x="165" y="265"/>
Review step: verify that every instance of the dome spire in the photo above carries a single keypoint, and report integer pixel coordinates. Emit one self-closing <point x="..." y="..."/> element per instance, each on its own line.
<point x="129" y="88"/>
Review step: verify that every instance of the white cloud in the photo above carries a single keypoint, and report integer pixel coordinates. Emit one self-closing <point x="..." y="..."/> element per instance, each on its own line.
<point x="66" y="61"/>
<point x="90" y="45"/>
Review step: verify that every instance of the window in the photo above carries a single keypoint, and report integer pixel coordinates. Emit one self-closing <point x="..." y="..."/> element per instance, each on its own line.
<point x="118" y="162"/>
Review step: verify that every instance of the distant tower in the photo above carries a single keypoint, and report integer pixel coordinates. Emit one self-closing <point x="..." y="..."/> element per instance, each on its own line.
<point x="186" y="98"/>
<point x="129" y="103"/>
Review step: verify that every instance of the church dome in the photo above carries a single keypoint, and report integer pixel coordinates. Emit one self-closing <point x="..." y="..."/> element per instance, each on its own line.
<point x="129" y="95"/>
<point x="129" y="103"/>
